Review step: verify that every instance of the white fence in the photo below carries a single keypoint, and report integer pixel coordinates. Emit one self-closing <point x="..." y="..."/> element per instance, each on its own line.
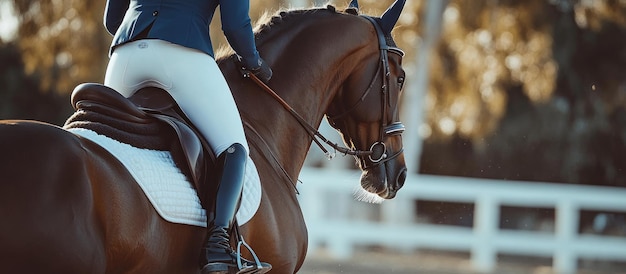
<point x="337" y="221"/>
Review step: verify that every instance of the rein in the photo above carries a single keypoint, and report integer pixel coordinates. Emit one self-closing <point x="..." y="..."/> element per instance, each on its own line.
<point x="312" y="131"/>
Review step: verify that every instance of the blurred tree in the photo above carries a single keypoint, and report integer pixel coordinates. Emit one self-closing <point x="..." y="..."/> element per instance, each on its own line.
<point x="534" y="87"/>
<point x="20" y="96"/>
<point x="63" y="42"/>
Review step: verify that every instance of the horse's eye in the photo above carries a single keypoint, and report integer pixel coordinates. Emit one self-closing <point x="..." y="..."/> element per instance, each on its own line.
<point x="400" y="82"/>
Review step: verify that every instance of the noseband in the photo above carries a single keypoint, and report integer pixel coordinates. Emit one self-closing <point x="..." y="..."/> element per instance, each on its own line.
<point x="377" y="153"/>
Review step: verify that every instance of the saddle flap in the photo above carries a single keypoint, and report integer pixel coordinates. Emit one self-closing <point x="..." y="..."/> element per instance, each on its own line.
<point x="190" y="144"/>
<point x="159" y="104"/>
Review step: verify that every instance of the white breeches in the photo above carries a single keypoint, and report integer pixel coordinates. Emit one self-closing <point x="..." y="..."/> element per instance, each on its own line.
<point x="191" y="77"/>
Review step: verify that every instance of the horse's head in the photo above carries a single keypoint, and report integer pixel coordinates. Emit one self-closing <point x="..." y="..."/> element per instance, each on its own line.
<point x="340" y="64"/>
<point x="366" y="109"/>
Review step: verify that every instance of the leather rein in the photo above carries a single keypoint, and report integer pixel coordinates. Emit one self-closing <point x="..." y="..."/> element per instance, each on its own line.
<point x="394" y="128"/>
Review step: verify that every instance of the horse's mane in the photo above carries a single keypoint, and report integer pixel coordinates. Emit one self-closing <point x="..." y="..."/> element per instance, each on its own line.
<point x="267" y="22"/>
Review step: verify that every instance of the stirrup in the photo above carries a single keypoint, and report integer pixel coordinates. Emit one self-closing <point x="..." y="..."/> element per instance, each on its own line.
<point x="248" y="267"/>
<point x="257" y="268"/>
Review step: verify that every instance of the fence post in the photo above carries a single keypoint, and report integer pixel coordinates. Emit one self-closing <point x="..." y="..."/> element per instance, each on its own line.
<point x="397" y="212"/>
<point x="486" y="215"/>
<point x="565" y="261"/>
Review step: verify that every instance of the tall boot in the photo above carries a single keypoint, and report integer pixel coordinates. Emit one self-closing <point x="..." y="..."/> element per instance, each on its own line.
<point x="217" y="255"/>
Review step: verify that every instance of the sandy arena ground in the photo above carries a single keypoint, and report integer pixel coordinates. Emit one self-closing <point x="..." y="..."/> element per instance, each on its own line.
<point x="431" y="262"/>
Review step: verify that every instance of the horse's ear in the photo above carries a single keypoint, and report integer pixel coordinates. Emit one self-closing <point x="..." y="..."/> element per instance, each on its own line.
<point x="353" y="7"/>
<point x="391" y="15"/>
<point x="354" y="4"/>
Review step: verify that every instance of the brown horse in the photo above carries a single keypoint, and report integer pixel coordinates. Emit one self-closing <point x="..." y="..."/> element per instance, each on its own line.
<point x="69" y="206"/>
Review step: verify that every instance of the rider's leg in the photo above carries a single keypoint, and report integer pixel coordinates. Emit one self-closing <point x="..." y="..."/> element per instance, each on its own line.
<point x="198" y="86"/>
<point x="217" y="255"/>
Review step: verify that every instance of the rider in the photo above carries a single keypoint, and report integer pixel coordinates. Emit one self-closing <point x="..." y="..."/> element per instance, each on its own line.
<point x="166" y="43"/>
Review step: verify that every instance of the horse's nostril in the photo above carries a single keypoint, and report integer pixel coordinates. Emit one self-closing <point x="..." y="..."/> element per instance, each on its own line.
<point x="401" y="178"/>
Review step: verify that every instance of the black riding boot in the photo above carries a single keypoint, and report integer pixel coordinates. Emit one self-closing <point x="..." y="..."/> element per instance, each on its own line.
<point x="217" y="255"/>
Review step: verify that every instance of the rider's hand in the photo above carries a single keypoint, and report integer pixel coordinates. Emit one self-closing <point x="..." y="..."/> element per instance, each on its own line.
<point x="263" y="71"/>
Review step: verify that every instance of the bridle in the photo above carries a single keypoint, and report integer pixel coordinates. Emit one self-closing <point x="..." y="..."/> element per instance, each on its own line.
<point x="377" y="153"/>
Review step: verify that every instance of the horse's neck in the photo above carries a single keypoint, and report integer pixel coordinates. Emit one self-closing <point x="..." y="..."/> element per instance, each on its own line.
<point x="309" y="70"/>
<point x="313" y="54"/>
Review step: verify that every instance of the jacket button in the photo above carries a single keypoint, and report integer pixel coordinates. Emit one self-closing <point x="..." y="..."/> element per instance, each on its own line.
<point x="155" y="13"/>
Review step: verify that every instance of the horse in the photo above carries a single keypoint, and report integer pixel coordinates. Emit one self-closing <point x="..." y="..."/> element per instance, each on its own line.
<point x="69" y="206"/>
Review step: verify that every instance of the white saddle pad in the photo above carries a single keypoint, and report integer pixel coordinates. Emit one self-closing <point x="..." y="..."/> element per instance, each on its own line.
<point x="171" y="194"/>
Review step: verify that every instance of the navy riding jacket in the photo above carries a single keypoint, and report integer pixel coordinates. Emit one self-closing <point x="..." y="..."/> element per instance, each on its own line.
<point x="185" y="23"/>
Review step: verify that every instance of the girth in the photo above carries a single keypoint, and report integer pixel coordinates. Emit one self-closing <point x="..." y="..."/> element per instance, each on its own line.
<point x="149" y="119"/>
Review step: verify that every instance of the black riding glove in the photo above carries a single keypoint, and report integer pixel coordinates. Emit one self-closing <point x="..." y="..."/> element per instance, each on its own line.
<point x="262" y="71"/>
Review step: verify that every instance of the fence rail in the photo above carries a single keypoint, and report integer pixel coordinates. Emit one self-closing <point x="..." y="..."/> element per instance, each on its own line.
<point x="330" y="214"/>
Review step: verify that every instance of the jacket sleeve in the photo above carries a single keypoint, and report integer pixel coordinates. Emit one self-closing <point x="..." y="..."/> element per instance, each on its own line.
<point x="237" y="28"/>
<point x="114" y="14"/>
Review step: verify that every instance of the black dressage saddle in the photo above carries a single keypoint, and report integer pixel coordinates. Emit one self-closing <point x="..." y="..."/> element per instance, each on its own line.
<point x="149" y="119"/>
